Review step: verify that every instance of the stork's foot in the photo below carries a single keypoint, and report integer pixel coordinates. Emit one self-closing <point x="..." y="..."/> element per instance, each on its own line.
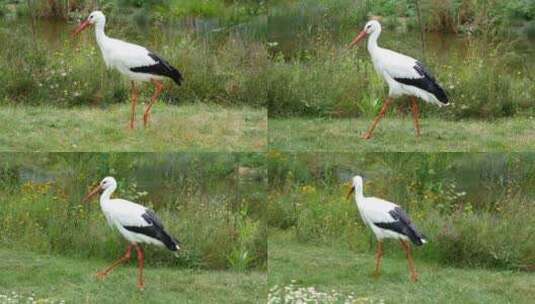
<point x="414" y="277"/>
<point x="376" y="275"/>
<point x="101" y="275"/>
<point x="366" y="135"/>
<point x="131" y="125"/>
<point x="140" y="286"/>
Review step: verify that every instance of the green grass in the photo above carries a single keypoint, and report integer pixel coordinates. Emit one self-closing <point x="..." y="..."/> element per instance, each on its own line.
<point x="72" y="280"/>
<point x="328" y="268"/>
<point x="394" y="134"/>
<point x="173" y="128"/>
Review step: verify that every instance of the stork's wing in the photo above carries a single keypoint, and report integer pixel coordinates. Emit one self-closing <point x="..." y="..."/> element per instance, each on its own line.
<point x="154" y="228"/>
<point x="152" y="219"/>
<point x="135" y="58"/>
<point x="129" y="54"/>
<point x="126" y="213"/>
<point x="378" y="210"/>
<point x="402" y="224"/>
<point x="161" y="67"/>
<point x="409" y="71"/>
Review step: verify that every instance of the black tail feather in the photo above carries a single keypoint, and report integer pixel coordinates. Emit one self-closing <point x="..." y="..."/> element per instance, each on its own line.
<point x="161" y="68"/>
<point x="169" y="242"/>
<point x="176" y="76"/>
<point x="155" y="230"/>
<point x="403" y="225"/>
<point x="416" y="237"/>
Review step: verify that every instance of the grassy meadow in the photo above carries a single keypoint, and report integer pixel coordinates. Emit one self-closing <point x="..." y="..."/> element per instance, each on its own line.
<point x="57" y="279"/>
<point x="476" y="210"/>
<point x="206" y="127"/>
<point x="212" y="203"/>
<point x="330" y="274"/>
<point x="397" y="134"/>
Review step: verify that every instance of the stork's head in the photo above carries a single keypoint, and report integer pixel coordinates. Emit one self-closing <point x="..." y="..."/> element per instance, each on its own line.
<point x="107" y="183"/>
<point x="371" y="27"/>
<point x="96" y="17"/>
<point x="356" y="185"/>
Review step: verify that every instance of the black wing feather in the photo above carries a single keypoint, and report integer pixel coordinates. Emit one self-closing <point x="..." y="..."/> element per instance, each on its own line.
<point x="402" y="224"/>
<point x="427" y="83"/>
<point x="155" y="230"/>
<point x="162" y="68"/>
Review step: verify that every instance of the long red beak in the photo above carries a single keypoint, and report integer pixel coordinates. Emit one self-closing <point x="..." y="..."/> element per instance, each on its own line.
<point x="357" y="39"/>
<point x="81" y="27"/>
<point x="92" y="193"/>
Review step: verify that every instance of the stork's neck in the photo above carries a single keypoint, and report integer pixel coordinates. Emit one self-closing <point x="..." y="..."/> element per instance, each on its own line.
<point x="106" y="195"/>
<point x="101" y="35"/>
<point x="359" y="196"/>
<point x="372" y="41"/>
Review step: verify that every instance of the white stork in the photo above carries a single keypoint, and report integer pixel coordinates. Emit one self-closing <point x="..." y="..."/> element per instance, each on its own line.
<point x="134" y="61"/>
<point x="136" y="223"/>
<point x="386" y="220"/>
<point x="403" y="74"/>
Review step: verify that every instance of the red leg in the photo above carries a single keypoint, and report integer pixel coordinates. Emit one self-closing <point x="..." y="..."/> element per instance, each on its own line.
<point x="135" y="95"/>
<point x="159" y="88"/>
<point x="415" y="114"/>
<point x="368" y="134"/>
<point x="140" y="263"/>
<point x="124" y="258"/>
<point x="407" y="248"/>
<point x="378" y="257"/>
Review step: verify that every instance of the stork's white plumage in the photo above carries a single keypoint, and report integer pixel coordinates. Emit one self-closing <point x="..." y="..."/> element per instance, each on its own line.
<point x="134" y="61"/>
<point x="136" y="223"/>
<point x="403" y="74"/>
<point x="386" y="220"/>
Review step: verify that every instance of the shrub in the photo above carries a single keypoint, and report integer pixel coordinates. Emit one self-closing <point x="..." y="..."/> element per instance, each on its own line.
<point x="489" y="239"/>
